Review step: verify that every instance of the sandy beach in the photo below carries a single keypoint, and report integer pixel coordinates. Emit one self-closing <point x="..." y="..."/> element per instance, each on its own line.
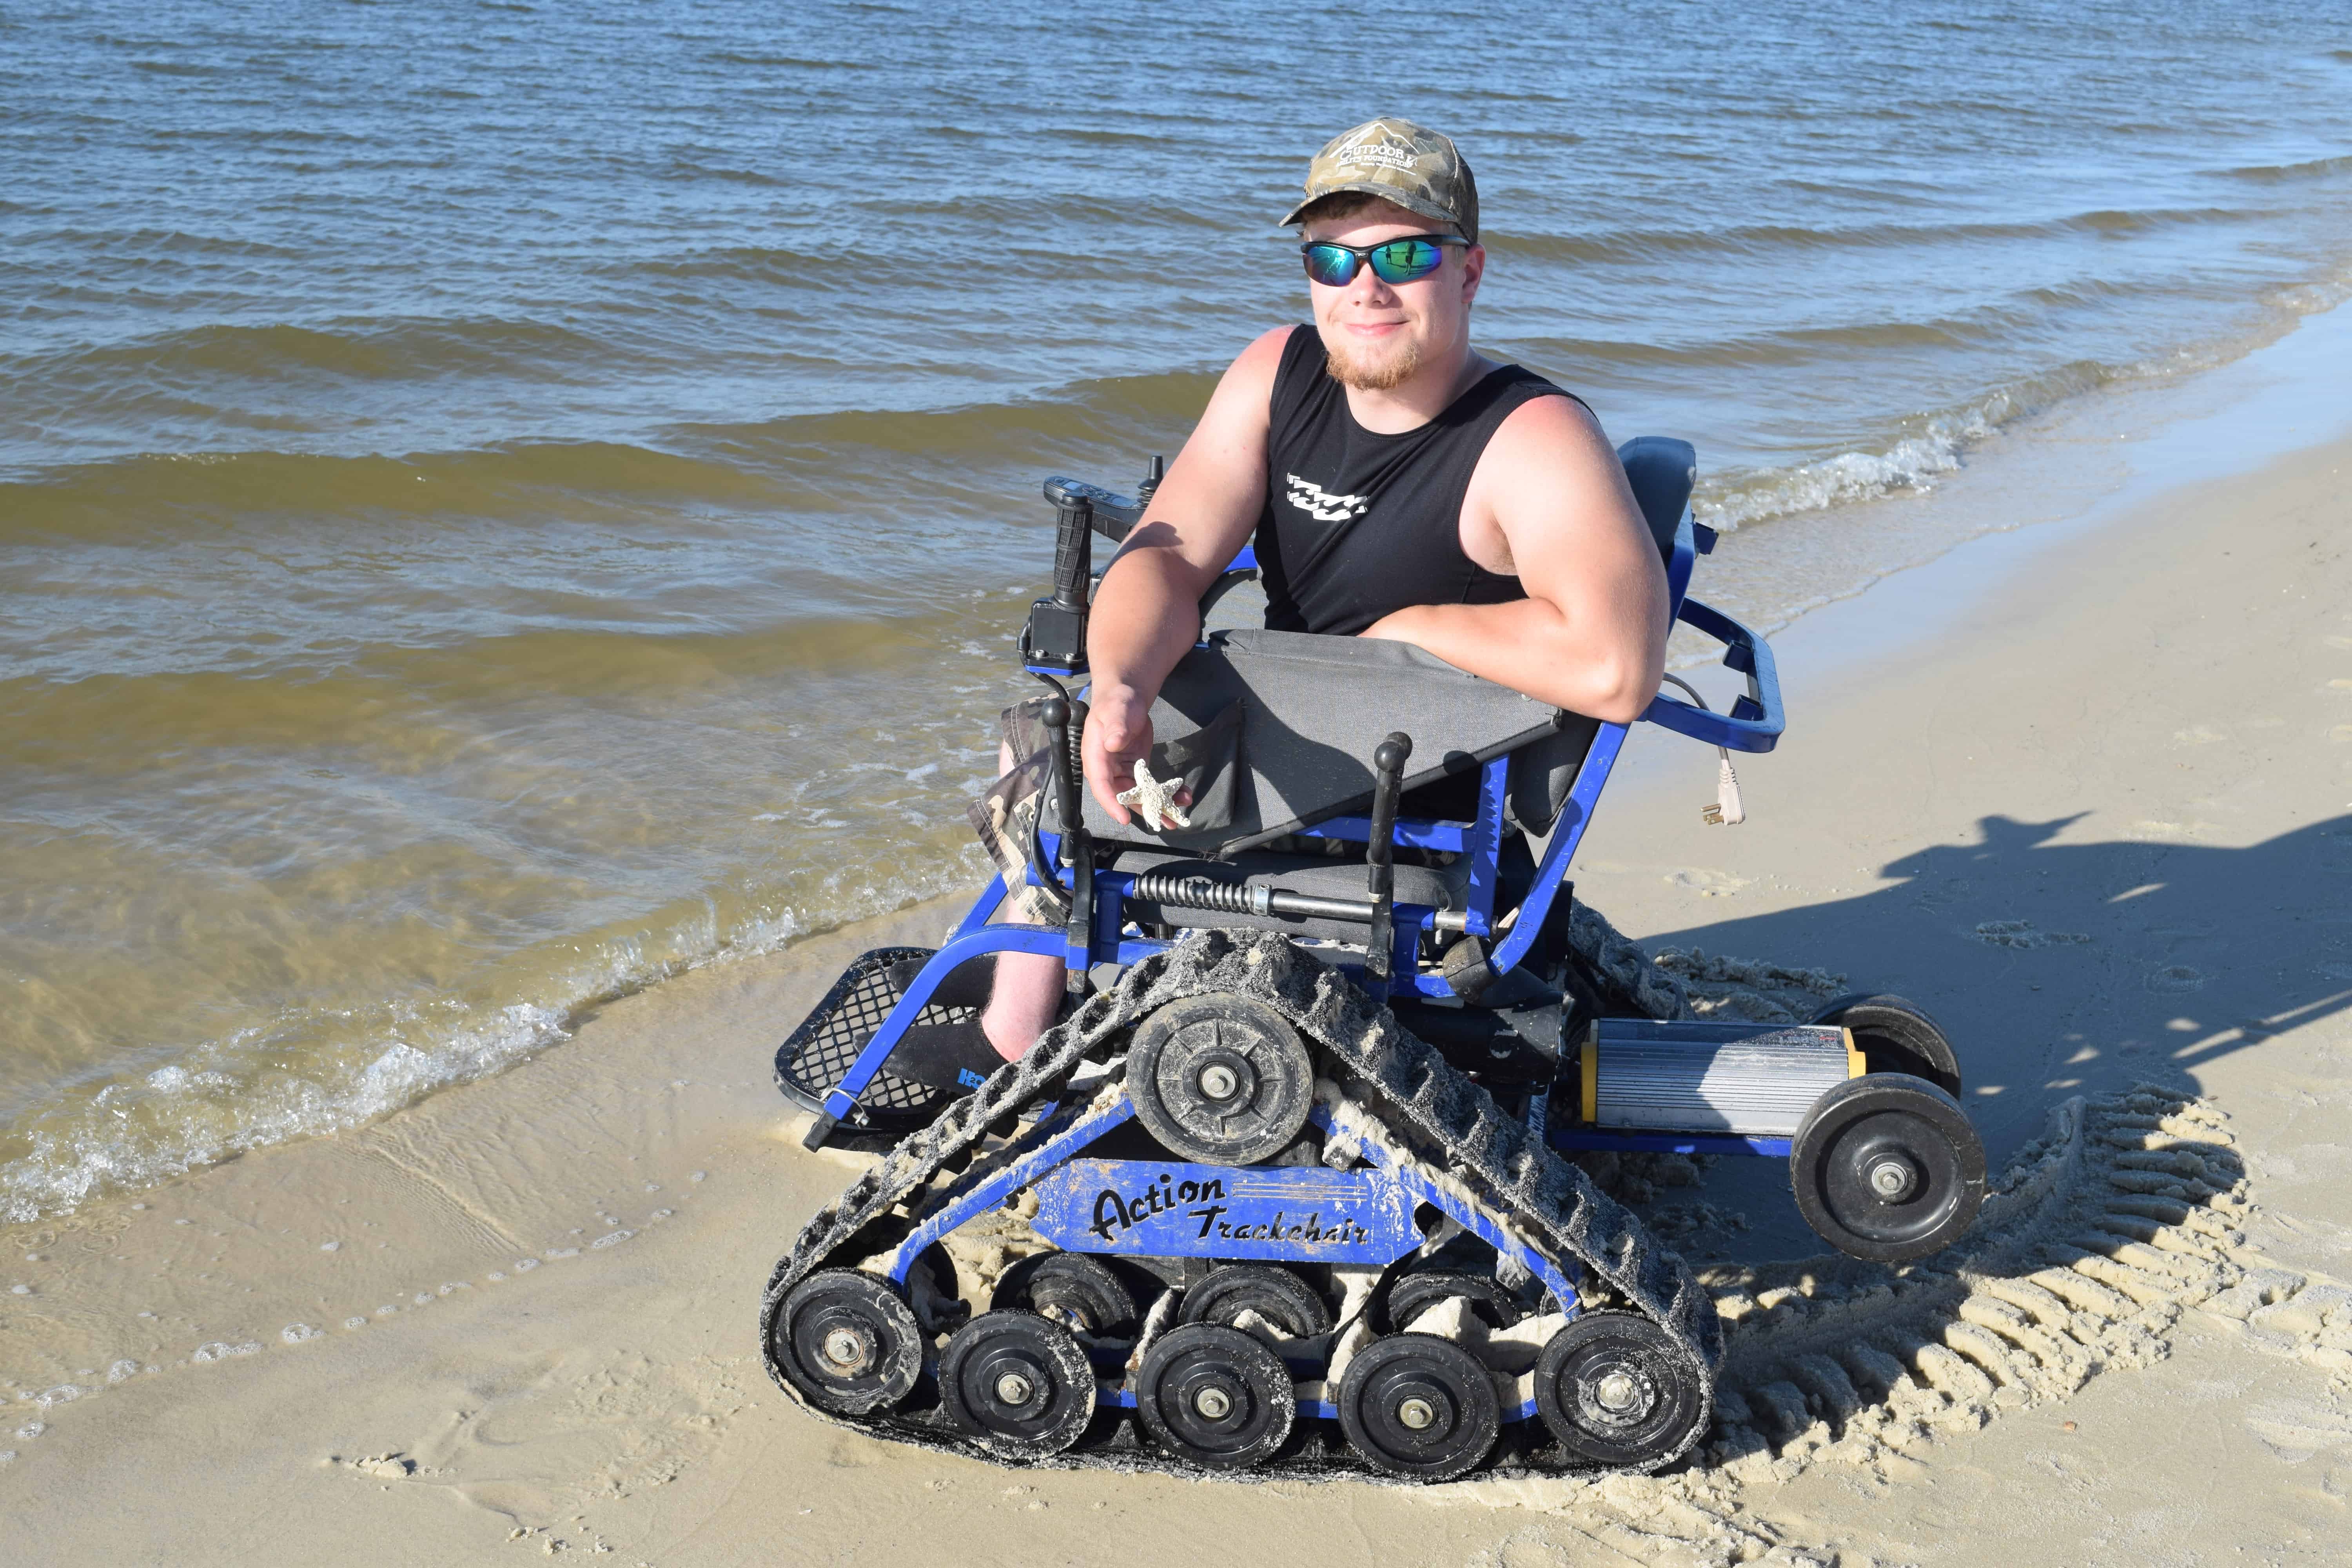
<point x="2085" y="792"/>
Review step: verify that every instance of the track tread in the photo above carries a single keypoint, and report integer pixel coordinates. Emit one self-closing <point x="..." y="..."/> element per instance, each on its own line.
<point x="1402" y="1085"/>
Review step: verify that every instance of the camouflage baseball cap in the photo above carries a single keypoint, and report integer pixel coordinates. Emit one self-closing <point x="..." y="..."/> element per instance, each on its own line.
<point x="1397" y="161"/>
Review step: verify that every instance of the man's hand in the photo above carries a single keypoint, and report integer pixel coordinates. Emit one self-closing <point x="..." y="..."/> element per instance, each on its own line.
<point x="1118" y="732"/>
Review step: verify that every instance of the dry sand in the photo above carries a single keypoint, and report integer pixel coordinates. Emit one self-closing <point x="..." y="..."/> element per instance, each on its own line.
<point x="2100" y="823"/>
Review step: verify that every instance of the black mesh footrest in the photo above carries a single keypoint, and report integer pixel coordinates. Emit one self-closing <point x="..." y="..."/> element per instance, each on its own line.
<point x="819" y="1054"/>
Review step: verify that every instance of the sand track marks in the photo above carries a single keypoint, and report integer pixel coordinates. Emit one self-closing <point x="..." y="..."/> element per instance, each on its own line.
<point x="2130" y="1210"/>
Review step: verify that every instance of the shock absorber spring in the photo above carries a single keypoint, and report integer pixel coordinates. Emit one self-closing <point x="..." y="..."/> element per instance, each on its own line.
<point x="1174" y="891"/>
<point x="1199" y="893"/>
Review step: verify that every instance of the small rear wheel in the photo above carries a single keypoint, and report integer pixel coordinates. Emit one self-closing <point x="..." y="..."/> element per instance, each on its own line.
<point x="847" y="1341"/>
<point x="1221" y="1080"/>
<point x="1895" y="1036"/>
<point x="1018" y="1383"/>
<point x="1287" y="1303"/>
<point x="1615" y="1390"/>
<point x="1887" y="1168"/>
<point x="1215" y="1396"/>
<point x="1415" y="1404"/>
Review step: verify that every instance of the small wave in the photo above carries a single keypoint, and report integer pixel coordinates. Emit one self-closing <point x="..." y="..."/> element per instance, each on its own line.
<point x="165" y="493"/>
<point x="416" y="350"/>
<point x="1651" y="244"/>
<point x="274" y="1085"/>
<point x="2276" y="173"/>
<point x="1937" y="446"/>
<point x="179" y="1119"/>
<point x="1910" y="463"/>
<point x="688" y="169"/>
<point x="793" y="62"/>
<point x="1123" y="414"/>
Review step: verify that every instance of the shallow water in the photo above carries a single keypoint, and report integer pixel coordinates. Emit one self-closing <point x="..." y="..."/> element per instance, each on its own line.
<point x="498" y="503"/>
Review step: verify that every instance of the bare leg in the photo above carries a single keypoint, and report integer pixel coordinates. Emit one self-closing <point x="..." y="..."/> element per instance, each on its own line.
<point x="1028" y="990"/>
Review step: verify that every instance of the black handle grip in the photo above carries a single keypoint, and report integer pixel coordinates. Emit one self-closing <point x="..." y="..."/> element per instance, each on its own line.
<point x="1380" y="854"/>
<point x="1056" y="711"/>
<point x="1074" y="551"/>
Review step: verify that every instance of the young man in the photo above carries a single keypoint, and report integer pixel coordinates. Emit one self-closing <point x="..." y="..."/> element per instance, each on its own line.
<point x="1397" y="483"/>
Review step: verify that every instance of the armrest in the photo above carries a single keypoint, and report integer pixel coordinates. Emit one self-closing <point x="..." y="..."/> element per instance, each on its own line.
<point x="1755" y="722"/>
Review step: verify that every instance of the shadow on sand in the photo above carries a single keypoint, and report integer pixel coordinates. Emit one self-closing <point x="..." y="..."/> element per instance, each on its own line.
<point x="2066" y="968"/>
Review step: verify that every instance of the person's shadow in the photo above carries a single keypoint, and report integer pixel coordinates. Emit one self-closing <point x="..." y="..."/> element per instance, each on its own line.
<point x="2061" y="968"/>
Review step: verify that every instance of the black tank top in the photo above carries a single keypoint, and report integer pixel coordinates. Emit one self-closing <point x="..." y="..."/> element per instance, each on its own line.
<point x="1357" y="523"/>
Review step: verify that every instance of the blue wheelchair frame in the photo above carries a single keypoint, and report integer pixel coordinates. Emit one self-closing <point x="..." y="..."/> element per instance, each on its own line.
<point x="1754" y="724"/>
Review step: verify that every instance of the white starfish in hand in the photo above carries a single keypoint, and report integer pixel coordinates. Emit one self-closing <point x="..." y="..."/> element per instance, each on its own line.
<point x="1154" y="799"/>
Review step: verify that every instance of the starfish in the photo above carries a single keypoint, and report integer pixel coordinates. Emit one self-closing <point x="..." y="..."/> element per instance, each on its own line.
<point x="1153" y="798"/>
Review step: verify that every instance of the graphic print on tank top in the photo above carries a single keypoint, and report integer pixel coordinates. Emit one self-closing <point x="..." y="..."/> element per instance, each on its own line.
<point x="1358" y="524"/>
<point x="1321" y="504"/>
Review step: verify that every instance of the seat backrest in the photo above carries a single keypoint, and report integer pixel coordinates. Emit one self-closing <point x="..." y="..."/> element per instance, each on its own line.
<point x="1662" y="472"/>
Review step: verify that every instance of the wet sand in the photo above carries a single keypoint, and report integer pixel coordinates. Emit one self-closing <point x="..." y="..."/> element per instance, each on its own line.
<point x="2099" y="822"/>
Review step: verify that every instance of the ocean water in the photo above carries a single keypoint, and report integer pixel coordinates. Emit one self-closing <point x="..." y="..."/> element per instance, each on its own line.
<point x="499" y="503"/>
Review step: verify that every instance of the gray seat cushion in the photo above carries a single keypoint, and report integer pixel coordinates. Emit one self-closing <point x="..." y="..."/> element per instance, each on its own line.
<point x="1312" y="709"/>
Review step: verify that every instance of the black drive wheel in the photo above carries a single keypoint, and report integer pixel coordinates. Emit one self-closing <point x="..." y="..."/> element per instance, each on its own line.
<point x="847" y="1341"/>
<point x="1887" y="1168"/>
<point x="1288" y="1304"/>
<point x="1616" y="1391"/>
<point x="1415" y="1404"/>
<point x="1417" y="1292"/>
<point x="1215" y="1396"/>
<point x="1018" y="1384"/>
<point x="1075" y="1290"/>
<point x="1223" y="1080"/>
<point x="1896" y="1036"/>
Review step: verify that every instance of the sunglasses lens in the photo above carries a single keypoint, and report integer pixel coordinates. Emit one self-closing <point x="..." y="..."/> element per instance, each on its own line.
<point x="1406" y="259"/>
<point x="1330" y="265"/>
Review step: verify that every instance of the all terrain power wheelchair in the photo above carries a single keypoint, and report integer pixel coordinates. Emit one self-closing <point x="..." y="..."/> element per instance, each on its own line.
<point x="1293" y="1185"/>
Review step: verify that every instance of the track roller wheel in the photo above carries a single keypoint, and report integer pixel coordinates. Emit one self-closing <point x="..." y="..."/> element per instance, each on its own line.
<point x="848" y="1341"/>
<point x="1417" y="1292"/>
<point x="1616" y="1391"/>
<point x="1073" y="1289"/>
<point x="1887" y="1168"/>
<point x="1895" y="1036"/>
<point x="1287" y="1303"/>
<point x="1415" y="1404"/>
<point x="1215" y="1396"/>
<point x="1221" y="1080"/>
<point x="1018" y="1383"/>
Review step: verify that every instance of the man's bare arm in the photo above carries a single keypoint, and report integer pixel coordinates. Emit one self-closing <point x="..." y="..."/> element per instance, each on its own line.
<point x="1591" y="636"/>
<point x="1147" y="612"/>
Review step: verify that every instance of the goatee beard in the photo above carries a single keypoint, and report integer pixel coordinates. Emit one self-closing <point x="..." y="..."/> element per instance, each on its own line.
<point x="1382" y="375"/>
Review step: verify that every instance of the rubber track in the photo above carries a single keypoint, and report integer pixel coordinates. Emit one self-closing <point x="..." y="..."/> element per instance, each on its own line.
<point x="1399" y="1081"/>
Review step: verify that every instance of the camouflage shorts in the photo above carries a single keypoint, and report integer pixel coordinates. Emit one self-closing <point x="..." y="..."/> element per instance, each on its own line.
<point x="1005" y="814"/>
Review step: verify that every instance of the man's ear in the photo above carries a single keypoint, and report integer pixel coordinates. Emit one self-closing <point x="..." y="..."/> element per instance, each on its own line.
<point x="1474" y="267"/>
